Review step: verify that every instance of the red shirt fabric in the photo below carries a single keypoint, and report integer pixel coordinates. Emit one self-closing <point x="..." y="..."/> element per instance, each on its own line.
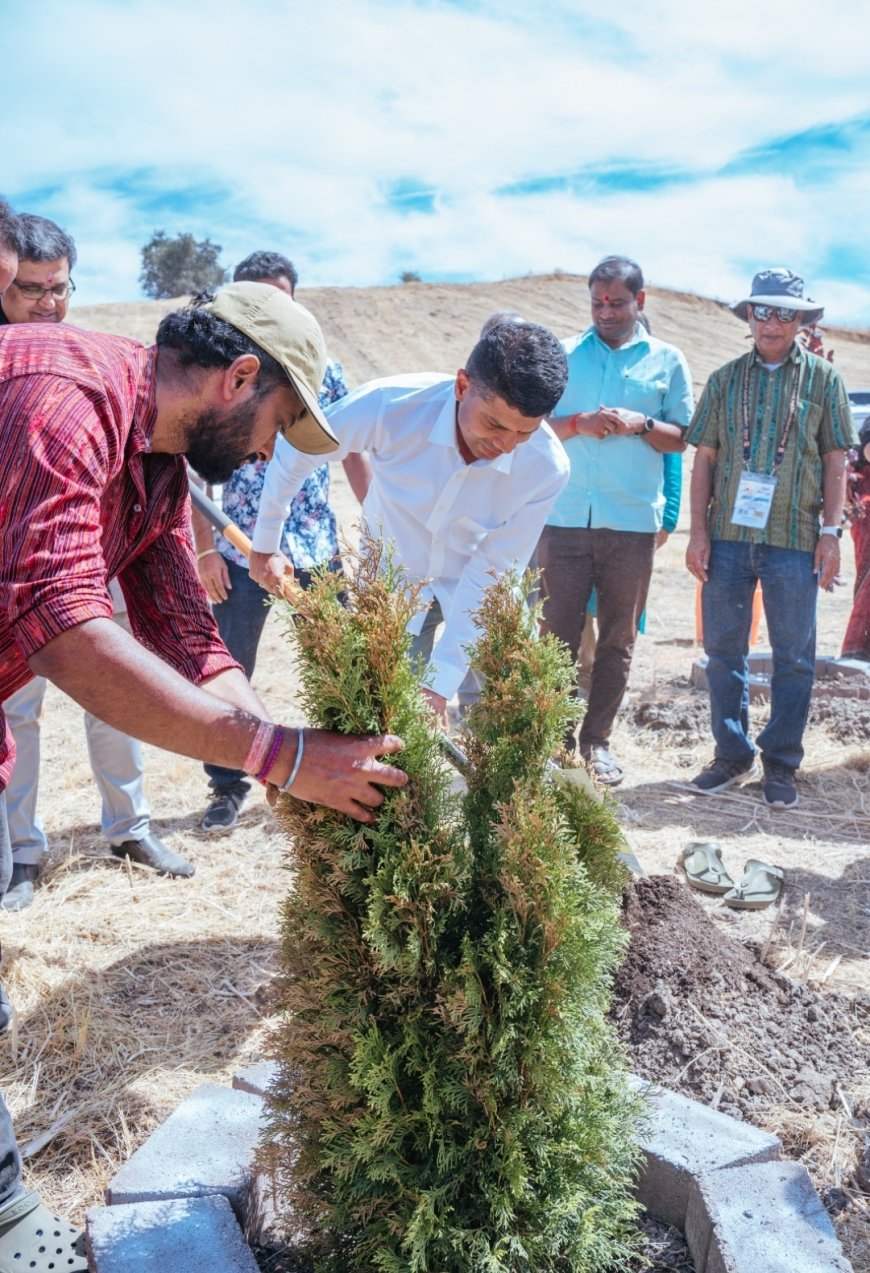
<point x="84" y="500"/>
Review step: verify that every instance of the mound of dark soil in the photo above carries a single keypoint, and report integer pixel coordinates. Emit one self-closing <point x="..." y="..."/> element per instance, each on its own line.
<point x="846" y="719"/>
<point x="702" y="1015"/>
<point x="686" y="717"/>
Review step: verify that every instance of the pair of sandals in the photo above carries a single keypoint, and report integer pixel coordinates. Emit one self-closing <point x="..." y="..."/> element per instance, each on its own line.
<point x="702" y="865"/>
<point x="35" y="1240"/>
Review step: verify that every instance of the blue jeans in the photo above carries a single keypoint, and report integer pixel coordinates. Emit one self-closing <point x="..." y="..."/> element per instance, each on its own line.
<point x="240" y="620"/>
<point x="789" y="589"/>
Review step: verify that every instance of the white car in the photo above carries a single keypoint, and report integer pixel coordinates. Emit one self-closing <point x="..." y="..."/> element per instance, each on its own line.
<point x="860" y="400"/>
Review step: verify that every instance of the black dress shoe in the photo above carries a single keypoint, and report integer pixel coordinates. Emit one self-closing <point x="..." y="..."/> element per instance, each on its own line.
<point x="149" y="851"/>
<point x="20" y="891"/>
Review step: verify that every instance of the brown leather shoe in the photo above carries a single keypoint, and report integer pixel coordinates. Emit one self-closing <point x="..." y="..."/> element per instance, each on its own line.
<point x="149" y="851"/>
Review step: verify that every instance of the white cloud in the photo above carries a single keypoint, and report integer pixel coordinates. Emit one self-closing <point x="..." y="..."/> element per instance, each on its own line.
<point x="284" y="124"/>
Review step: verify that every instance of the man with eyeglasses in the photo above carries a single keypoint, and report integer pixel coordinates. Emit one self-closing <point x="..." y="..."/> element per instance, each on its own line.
<point x="768" y="486"/>
<point x="42" y="287"/>
<point x="40" y="293"/>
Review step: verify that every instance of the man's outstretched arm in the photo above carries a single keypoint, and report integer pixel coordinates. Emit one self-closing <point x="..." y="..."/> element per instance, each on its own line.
<point x="110" y="675"/>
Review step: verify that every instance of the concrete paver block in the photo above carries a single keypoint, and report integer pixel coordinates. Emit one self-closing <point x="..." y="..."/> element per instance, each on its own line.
<point x="684" y="1139"/>
<point x="763" y="1217"/>
<point x="205" y="1147"/>
<point x="184" y="1235"/>
<point x="256" y="1078"/>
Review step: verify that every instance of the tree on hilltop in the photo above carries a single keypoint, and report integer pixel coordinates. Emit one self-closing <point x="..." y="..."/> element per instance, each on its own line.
<point x="179" y="266"/>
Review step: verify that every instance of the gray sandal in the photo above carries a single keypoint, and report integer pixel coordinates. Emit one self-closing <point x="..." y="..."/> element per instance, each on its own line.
<point x="34" y="1239"/>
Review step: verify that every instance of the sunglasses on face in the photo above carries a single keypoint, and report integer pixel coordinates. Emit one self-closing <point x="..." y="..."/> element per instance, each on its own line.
<point x="765" y="312"/>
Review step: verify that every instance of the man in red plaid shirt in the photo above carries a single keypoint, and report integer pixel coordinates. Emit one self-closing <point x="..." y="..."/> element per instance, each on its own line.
<point x="93" y="434"/>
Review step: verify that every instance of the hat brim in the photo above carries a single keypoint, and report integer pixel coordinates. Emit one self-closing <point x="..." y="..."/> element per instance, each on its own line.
<point x="812" y="313"/>
<point x="310" y="433"/>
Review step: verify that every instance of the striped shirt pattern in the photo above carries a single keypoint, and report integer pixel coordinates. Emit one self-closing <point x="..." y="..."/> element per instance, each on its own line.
<point x="84" y="500"/>
<point x="822" y="422"/>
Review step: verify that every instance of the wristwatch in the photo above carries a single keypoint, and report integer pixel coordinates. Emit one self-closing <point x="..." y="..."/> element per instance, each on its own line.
<point x="648" y="425"/>
<point x="832" y="530"/>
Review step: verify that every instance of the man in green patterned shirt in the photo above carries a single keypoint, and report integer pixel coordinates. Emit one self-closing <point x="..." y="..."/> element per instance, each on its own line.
<point x="768" y="485"/>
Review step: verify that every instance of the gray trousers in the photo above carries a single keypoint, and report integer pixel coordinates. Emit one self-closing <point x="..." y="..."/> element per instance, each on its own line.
<point x="10" y="1160"/>
<point x="116" y="762"/>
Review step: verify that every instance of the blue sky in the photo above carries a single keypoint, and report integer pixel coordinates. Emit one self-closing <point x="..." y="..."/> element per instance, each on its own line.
<point x="476" y="140"/>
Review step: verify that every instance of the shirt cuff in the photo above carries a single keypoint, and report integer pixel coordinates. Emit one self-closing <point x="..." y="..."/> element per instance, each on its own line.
<point x="267" y="535"/>
<point x="447" y="678"/>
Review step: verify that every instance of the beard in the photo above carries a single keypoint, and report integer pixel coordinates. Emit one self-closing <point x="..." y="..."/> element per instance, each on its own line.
<point x="218" y="443"/>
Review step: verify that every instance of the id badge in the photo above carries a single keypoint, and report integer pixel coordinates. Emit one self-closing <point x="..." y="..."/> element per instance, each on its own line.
<point x="754" y="498"/>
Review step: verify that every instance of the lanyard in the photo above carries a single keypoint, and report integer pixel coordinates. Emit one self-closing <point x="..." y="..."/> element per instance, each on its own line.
<point x="789" y="419"/>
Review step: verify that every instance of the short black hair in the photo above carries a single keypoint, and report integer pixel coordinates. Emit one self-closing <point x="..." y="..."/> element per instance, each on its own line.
<point x="43" y="240"/>
<point x="618" y="269"/>
<point x="521" y="363"/>
<point x="202" y="340"/>
<point x="500" y="316"/>
<point x="260" y="265"/>
<point x="10" y="231"/>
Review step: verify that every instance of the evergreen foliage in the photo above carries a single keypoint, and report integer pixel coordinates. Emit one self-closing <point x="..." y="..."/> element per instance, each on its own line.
<point x="450" y="1098"/>
<point x="179" y="266"/>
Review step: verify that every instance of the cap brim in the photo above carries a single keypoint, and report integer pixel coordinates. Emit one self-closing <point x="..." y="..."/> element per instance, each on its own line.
<point x="812" y="313"/>
<point x="310" y="433"/>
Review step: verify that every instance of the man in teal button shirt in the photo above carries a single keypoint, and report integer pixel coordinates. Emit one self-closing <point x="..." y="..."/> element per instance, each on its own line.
<point x="627" y="403"/>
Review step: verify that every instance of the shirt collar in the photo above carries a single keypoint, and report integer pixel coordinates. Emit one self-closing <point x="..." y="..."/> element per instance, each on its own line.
<point x="443" y="433"/>
<point x="640" y="336"/>
<point x="145" y="410"/>
<point x="795" y="355"/>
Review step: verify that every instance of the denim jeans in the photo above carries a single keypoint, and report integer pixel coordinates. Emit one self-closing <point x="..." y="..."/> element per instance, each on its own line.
<point x="789" y="589"/>
<point x="240" y="620"/>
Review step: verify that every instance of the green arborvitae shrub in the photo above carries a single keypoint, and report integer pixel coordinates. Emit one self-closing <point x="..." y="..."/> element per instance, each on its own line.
<point x="450" y="1098"/>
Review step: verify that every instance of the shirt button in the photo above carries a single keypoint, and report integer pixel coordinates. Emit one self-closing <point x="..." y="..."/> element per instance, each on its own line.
<point x="137" y="508"/>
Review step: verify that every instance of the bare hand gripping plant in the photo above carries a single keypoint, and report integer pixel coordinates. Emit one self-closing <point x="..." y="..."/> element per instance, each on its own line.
<point x="450" y="1098"/>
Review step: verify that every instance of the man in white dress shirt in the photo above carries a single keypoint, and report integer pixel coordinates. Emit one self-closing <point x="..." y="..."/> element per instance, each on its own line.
<point x="464" y="471"/>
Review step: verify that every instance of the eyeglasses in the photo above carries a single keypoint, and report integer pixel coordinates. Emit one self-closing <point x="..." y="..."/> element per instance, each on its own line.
<point x="35" y="291"/>
<point x="764" y="312"/>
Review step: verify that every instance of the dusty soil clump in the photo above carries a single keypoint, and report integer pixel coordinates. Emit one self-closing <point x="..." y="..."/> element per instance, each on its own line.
<point x="845" y="719"/>
<point x="684" y="716"/>
<point x="703" y="1016"/>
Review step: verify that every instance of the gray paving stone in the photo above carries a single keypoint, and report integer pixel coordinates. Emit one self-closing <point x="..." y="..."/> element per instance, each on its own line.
<point x="184" y="1235"/>
<point x="256" y="1078"/>
<point x="761" y="1218"/>
<point x="684" y="1139"/>
<point x="205" y="1147"/>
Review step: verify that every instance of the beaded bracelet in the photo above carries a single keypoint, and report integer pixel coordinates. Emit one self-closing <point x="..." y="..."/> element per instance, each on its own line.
<point x="272" y="755"/>
<point x="300" y="748"/>
<point x="259" y="747"/>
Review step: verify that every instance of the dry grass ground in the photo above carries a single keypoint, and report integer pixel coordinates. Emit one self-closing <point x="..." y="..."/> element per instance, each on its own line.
<point x="132" y="990"/>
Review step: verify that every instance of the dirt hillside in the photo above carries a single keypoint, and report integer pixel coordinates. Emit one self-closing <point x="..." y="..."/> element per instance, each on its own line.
<point x="380" y="331"/>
